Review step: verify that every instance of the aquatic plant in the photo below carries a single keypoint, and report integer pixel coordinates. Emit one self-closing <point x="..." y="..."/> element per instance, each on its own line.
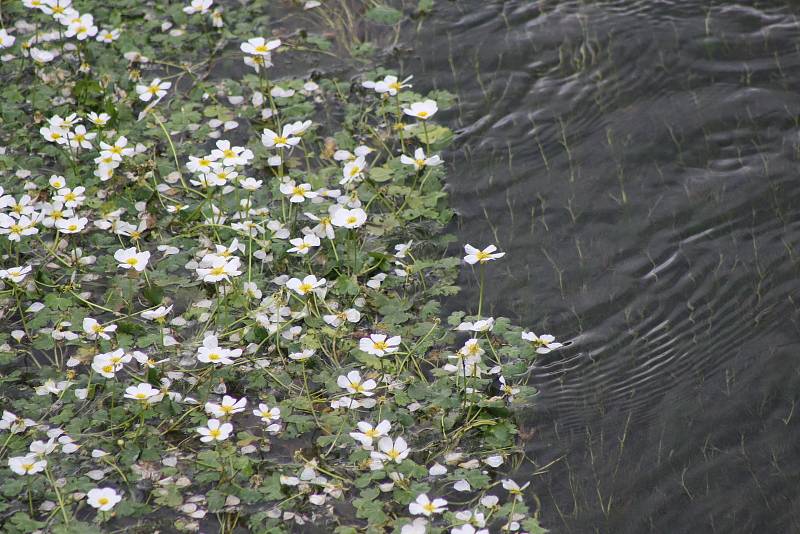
<point x="222" y="293"/>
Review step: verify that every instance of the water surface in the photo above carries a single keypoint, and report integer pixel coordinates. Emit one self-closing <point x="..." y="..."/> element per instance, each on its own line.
<point x="638" y="162"/>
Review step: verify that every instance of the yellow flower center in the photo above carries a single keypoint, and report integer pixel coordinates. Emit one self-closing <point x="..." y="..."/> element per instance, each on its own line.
<point x="305" y="288"/>
<point x="72" y="227"/>
<point x="132" y="261"/>
<point x="422" y="114"/>
<point x="352" y="220"/>
<point x="229" y="153"/>
<point x="281" y="140"/>
<point x="482" y="256"/>
<point x="380" y="345"/>
<point x="429" y="507"/>
<point x="214" y="433"/>
<point x="141" y="396"/>
<point x="357" y="387"/>
<point x="27" y="467"/>
<point x="393" y="454"/>
<point x="102" y="501"/>
<point x="214" y="356"/>
<point x="217" y="271"/>
<point x="262" y="49"/>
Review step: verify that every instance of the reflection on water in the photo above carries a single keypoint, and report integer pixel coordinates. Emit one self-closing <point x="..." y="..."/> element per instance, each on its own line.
<point x="638" y="162"/>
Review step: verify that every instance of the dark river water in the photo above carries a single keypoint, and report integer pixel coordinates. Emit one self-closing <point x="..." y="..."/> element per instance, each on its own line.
<point x="638" y="162"/>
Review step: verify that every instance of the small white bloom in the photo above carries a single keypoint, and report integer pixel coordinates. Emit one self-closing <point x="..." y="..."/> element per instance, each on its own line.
<point x="104" y="499"/>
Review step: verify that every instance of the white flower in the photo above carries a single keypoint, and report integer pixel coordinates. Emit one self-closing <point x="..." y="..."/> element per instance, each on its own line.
<point x="104" y="499"/>
<point x="353" y="384"/>
<point x="15" y="274"/>
<point x="271" y="139"/>
<point x="227" y="407"/>
<point x="231" y="155"/>
<point x="307" y="285"/>
<point x="108" y="364"/>
<point x="437" y="469"/>
<point x="303" y="245"/>
<point x="142" y="392"/>
<point x="26" y="465"/>
<point x="16" y="229"/>
<point x="390" y="84"/>
<point x="462" y="485"/>
<point x="473" y="255"/>
<point x="424" y="506"/>
<point x="482" y="325"/>
<point x="158" y="313"/>
<point x="82" y="28"/>
<point x="468" y="529"/>
<point x="493" y="461"/>
<point x="99" y="120"/>
<point x="302" y="355"/>
<point x="42" y="56"/>
<point x="157" y="89"/>
<point x="72" y="225"/>
<point x="6" y="40"/>
<point x="214" y="431"/>
<point x="129" y="258"/>
<point x="420" y="161"/>
<point x="337" y="319"/>
<point x="544" y="343"/>
<point x="80" y="138"/>
<point x="14" y="424"/>
<point x="214" y="268"/>
<point x="346" y="218"/>
<point x="418" y="526"/>
<point x="378" y="344"/>
<point x="71" y="198"/>
<point x="297" y="193"/>
<point x="267" y="414"/>
<point x="211" y="352"/>
<point x="394" y="451"/>
<point x="94" y="329"/>
<point x="51" y="386"/>
<point x="367" y="432"/>
<point x="250" y="184"/>
<point x="353" y="170"/>
<point x="116" y="151"/>
<point x="198" y="6"/>
<point x="514" y="489"/>
<point x="258" y="46"/>
<point x="108" y="36"/>
<point x="422" y="110"/>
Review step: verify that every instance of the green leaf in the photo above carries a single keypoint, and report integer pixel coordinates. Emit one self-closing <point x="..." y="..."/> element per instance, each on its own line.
<point x="384" y="15"/>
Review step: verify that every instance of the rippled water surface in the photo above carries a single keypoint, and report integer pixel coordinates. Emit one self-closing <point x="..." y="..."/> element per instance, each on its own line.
<point x="638" y="161"/>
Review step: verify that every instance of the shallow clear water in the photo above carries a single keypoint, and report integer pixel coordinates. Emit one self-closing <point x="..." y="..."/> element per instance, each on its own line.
<point x="638" y="161"/>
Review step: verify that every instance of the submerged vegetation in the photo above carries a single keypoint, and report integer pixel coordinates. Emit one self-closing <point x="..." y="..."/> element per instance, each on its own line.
<point x="221" y="293"/>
